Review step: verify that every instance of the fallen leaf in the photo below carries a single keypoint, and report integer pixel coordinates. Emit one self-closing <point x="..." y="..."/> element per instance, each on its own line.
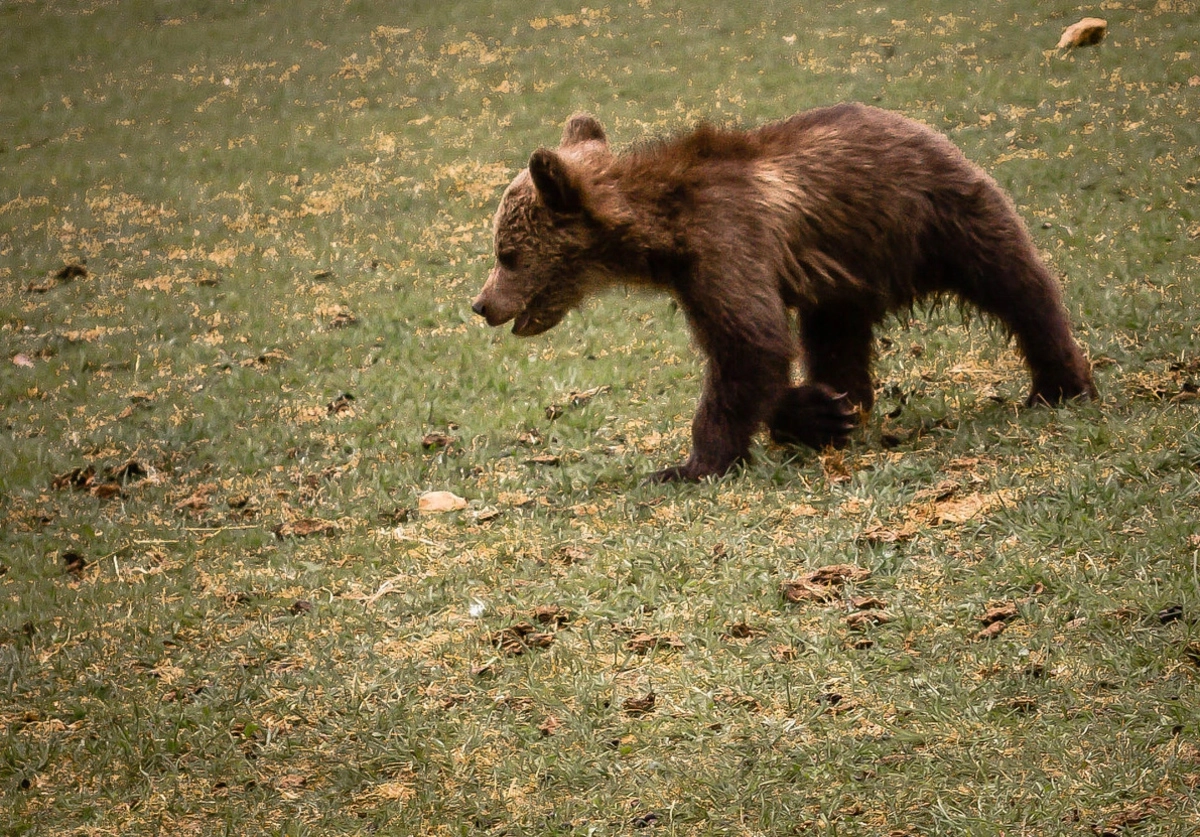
<point x="838" y="574"/>
<point x="640" y="705"/>
<point x="741" y="630"/>
<point x="23" y="360"/>
<point x="517" y="639"/>
<point x="74" y="562"/>
<point x="999" y="613"/>
<point x="575" y="398"/>
<point x="867" y="603"/>
<point x="992" y="631"/>
<point x="552" y="615"/>
<point x="833" y="464"/>
<point x="961" y="510"/>
<point x="1023" y="704"/>
<point x="77" y="478"/>
<point x="530" y="438"/>
<point x="432" y="441"/>
<point x="864" y="618"/>
<point x="436" y="502"/>
<point x="880" y="534"/>
<point x="835" y="703"/>
<point x="645" y="820"/>
<point x="197" y="502"/>
<point x="266" y="359"/>
<point x="1132" y="814"/>
<point x="800" y="591"/>
<point x="1169" y="614"/>
<point x="644" y="643"/>
<point x="105" y="490"/>
<point x="822" y="584"/>
<point x="573" y="555"/>
<point x="340" y="404"/>
<point x="71" y="271"/>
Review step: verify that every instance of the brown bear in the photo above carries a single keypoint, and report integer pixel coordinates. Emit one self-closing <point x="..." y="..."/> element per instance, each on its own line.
<point x="840" y="214"/>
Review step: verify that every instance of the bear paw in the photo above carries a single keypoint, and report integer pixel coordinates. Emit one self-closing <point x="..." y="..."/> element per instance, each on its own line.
<point x="814" y="415"/>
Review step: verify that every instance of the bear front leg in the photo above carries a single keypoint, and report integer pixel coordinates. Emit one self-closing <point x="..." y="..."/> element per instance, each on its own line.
<point x="739" y="393"/>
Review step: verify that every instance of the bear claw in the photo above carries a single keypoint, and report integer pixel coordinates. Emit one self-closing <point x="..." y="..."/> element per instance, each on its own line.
<point x="815" y="416"/>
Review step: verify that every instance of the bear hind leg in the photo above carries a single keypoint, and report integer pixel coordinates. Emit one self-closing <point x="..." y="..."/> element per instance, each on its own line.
<point x="1020" y="292"/>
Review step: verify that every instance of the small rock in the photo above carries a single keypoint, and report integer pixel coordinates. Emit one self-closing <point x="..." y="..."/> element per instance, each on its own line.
<point x="1087" y="32"/>
<point x="433" y="502"/>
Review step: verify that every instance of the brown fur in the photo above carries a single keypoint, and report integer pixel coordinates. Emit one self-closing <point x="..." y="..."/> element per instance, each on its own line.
<point x="839" y="215"/>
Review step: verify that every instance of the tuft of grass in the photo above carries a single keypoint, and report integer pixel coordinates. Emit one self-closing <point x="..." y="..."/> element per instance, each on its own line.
<point x="221" y="610"/>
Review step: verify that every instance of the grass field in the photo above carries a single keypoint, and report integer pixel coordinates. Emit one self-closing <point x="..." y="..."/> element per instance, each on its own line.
<point x="238" y="244"/>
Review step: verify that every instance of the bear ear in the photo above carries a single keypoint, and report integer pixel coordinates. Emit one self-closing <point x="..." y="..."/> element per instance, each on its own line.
<point x="583" y="127"/>
<point x="556" y="184"/>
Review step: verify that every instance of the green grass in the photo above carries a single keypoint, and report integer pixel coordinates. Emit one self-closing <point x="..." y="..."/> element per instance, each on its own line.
<point x="282" y="203"/>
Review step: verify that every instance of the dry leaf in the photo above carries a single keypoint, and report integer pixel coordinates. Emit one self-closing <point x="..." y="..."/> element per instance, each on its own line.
<point x="436" y="502"/>
<point x="823" y="584"/>
<point x="340" y="404"/>
<point x="105" y="490"/>
<point x="878" y="533"/>
<point x="999" y="613"/>
<point x="74" y="563"/>
<point x="23" y="360"/>
<point x="71" y="271"/>
<point x="833" y="464"/>
<point x="868" y="603"/>
<point x="519" y="638"/>
<point x="805" y="591"/>
<point x="741" y="630"/>
<point x="552" y="615"/>
<point x="1132" y="814"/>
<point x="866" y="618"/>
<point x="640" y="705"/>
<point x="1087" y="32"/>
<point x="643" y="643"/>
<point x="838" y="574"/>
<point x="437" y="440"/>
<point x="78" y="478"/>
<point x="992" y="631"/>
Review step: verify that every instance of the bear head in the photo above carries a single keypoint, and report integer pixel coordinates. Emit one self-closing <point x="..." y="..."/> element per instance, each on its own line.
<point x="548" y="240"/>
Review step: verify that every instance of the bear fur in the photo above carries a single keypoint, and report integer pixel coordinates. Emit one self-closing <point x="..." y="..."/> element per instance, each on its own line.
<point x="793" y="239"/>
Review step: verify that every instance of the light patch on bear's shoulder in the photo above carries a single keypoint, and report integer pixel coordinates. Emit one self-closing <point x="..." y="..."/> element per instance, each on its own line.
<point x="778" y="190"/>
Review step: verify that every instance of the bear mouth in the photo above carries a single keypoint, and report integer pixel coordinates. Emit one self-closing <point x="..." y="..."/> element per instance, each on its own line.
<point x="529" y="324"/>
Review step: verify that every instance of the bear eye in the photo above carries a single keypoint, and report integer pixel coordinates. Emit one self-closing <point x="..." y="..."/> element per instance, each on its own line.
<point x="508" y="259"/>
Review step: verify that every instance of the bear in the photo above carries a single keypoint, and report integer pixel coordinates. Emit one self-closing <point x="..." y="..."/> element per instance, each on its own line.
<point x="790" y="241"/>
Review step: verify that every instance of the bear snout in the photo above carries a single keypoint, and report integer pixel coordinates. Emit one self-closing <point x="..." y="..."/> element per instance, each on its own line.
<point x="495" y="313"/>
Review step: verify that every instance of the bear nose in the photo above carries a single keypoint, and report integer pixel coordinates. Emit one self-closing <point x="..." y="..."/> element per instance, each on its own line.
<point x="479" y="308"/>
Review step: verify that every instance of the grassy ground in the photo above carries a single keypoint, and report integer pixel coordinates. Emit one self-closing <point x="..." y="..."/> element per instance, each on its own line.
<point x="222" y="612"/>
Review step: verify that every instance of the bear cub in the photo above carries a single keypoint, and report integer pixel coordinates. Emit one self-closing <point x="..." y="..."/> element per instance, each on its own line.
<point x="792" y="240"/>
